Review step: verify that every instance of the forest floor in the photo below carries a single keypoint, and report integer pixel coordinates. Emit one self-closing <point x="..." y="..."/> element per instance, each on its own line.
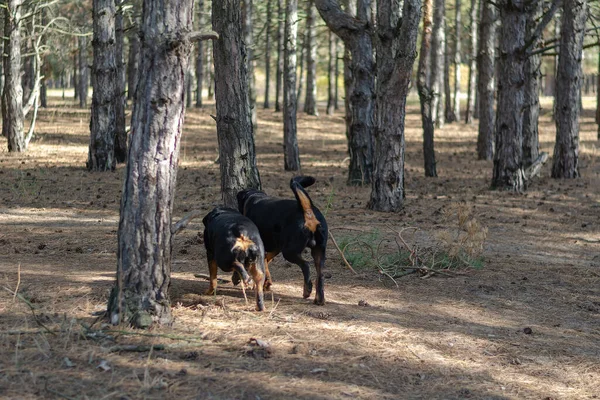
<point x="522" y="322"/>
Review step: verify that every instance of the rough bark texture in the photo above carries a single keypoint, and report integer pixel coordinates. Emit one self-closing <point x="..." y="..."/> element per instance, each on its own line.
<point x="486" y="67"/>
<point x="396" y="52"/>
<point x="456" y="61"/>
<point x="331" y="74"/>
<point x="267" y="102"/>
<point x="83" y="81"/>
<point x="234" y="124"/>
<point x="200" y="56"/>
<point x="360" y="85"/>
<point x="472" y="61"/>
<point x="133" y="61"/>
<point x="121" y="132"/>
<point x="508" y="157"/>
<point x="310" y="102"/>
<point x="568" y="90"/>
<point x="101" y="155"/>
<point x="247" y="10"/>
<point x="291" y="153"/>
<point x="280" y="52"/>
<point x="145" y="240"/>
<point x="12" y="94"/>
<point x="437" y="62"/>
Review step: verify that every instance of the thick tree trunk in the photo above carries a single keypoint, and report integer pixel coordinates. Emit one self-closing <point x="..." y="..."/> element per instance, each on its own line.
<point x="234" y="124"/>
<point x="133" y="61"/>
<point x="267" y="103"/>
<point x="247" y="10"/>
<point x="360" y="87"/>
<point x="456" y="61"/>
<point x="101" y="155"/>
<point x="280" y="52"/>
<point x="120" y="125"/>
<point x="200" y="56"/>
<point x="396" y="52"/>
<point x="437" y="62"/>
<point x="140" y="296"/>
<point x="310" y="102"/>
<point x="557" y="22"/>
<point x="566" y="150"/>
<point x="331" y="74"/>
<point x="486" y="67"/>
<point x="508" y="157"/>
<point x="425" y="88"/>
<point x="12" y="95"/>
<point x="83" y="81"/>
<point x="290" y="102"/>
<point x="472" y="61"/>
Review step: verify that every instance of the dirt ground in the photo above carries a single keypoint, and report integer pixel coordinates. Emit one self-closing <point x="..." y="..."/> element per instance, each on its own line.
<point x="525" y="325"/>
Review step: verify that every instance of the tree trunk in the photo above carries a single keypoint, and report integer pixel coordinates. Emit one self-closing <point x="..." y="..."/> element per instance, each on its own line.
<point x="200" y="56"/>
<point x="83" y="72"/>
<point x="120" y="124"/>
<point x="472" y="61"/>
<point x="425" y="88"/>
<point x="280" y="54"/>
<point x="247" y="9"/>
<point x="557" y="22"/>
<point x="133" y="61"/>
<point x="140" y="296"/>
<point x="310" y="102"/>
<point x="457" y="61"/>
<point x="267" y="103"/>
<point x="449" y="116"/>
<point x="331" y="74"/>
<point x="437" y="62"/>
<point x="396" y="52"/>
<point x="569" y="74"/>
<point x="189" y="83"/>
<point x="337" y="74"/>
<point x="531" y="111"/>
<point x="486" y="67"/>
<point x="234" y="124"/>
<point x="300" y="78"/>
<point x="101" y="155"/>
<point x="12" y="95"/>
<point x="75" y="78"/>
<point x="508" y="157"/>
<point x="360" y="93"/>
<point x="210" y="74"/>
<point x="598" y="96"/>
<point x="43" y="94"/>
<point x="290" y="139"/>
<point x="28" y="68"/>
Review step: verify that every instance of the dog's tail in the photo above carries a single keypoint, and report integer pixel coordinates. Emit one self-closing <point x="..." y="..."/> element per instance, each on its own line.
<point x="297" y="184"/>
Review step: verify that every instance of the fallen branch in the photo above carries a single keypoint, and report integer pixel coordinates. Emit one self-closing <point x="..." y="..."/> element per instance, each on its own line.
<point x="341" y="253"/>
<point x="179" y="226"/>
<point x="534" y="169"/>
<point x="18" y="282"/>
<point x="206" y="277"/>
<point x="32" y="308"/>
<point x="135" y="348"/>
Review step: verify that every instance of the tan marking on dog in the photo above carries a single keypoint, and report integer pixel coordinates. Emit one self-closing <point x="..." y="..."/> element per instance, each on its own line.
<point x="310" y="220"/>
<point x="242" y="243"/>
<point x="212" y="268"/>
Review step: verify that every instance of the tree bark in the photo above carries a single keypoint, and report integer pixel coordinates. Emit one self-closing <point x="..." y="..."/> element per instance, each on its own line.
<point x="337" y="74"/>
<point x="449" y="116"/>
<point x="300" y="78"/>
<point x="83" y="72"/>
<point x="133" y="61"/>
<point x="290" y="102"/>
<point x="280" y="53"/>
<point x="210" y="74"/>
<point x="101" y="155"/>
<point x="472" y="61"/>
<point x="486" y="68"/>
<point x="566" y="150"/>
<point x="557" y="22"/>
<point x="12" y="94"/>
<point x="508" y="157"/>
<point x="120" y="125"/>
<point x="75" y="77"/>
<point x="247" y="10"/>
<point x="267" y="103"/>
<point x="200" y="56"/>
<point x="396" y="52"/>
<point x="140" y="296"/>
<point x="437" y="62"/>
<point x="189" y="82"/>
<point x="598" y="96"/>
<point x="310" y="102"/>
<point x="457" y="61"/>
<point x="360" y="87"/>
<point x="331" y="74"/>
<point x="234" y="124"/>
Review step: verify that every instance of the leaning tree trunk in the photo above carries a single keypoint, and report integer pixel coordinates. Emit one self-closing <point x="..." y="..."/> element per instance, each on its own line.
<point x="568" y="93"/>
<point x="140" y="296"/>
<point x="12" y="94"/>
<point x="280" y="52"/>
<point x="425" y="88"/>
<point x="486" y="68"/>
<point x="267" y="102"/>
<point x="456" y="61"/>
<point x="508" y="157"/>
<point x="437" y="62"/>
<point x="234" y="124"/>
<point x="101" y="155"/>
<point x="247" y="9"/>
<point x="360" y="91"/>
<point x="331" y="75"/>
<point x="120" y="129"/>
<point x="472" y="61"/>
<point x="200" y="57"/>
<point x="310" y="102"/>
<point x="83" y="72"/>
<point x="395" y="58"/>
<point x="291" y="154"/>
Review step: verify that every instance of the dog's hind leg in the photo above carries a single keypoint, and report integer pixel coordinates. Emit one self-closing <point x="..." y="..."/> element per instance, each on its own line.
<point x="318" y="255"/>
<point x="298" y="260"/>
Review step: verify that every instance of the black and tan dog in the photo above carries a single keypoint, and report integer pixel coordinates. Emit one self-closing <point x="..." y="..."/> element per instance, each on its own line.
<point x="288" y="227"/>
<point x="233" y="243"/>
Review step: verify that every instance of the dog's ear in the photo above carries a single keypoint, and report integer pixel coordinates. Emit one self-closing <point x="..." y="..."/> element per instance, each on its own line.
<point x="241" y="199"/>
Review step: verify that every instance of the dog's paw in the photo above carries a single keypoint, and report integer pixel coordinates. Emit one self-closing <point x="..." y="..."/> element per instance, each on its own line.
<point x="210" y="292"/>
<point x="267" y="286"/>
<point x="307" y="290"/>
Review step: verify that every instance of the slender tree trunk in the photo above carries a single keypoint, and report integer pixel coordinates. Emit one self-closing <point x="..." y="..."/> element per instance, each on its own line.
<point x="267" y="103"/>
<point x="280" y="52"/>
<point x="189" y="83"/>
<point x="457" y="61"/>
<point x="121" y="131"/>
<point x="140" y="296"/>
<point x="598" y="96"/>
<point x="290" y="103"/>
<point x="12" y="95"/>
<point x="331" y="74"/>
<point x="75" y="75"/>
<point x="133" y="61"/>
<point x="337" y="74"/>
<point x="508" y="157"/>
<point x="566" y="150"/>
<point x="83" y="72"/>
<point x="437" y="62"/>
<point x="300" y="78"/>
<point x="234" y="123"/>
<point x="449" y="116"/>
<point x="557" y="21"/>
<point x="472" y="61"/>
<point x="101" y="155"/>
<point x="247" y="10"/>
<point x="28" y="69"/>
<point x="43" y="94"/>
<point x="200" y="56"/>
<point x="486" y="68"/>
<point x="310" y="103"/>
<point x="210" y="74"/>
<point x="396" y="52"/>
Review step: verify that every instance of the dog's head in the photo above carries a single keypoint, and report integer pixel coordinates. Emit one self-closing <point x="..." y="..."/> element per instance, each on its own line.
<point x="244" y="196"/>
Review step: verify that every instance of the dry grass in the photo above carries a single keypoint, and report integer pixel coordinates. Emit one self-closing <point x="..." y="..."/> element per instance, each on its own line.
<point x="446" y="337"/>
